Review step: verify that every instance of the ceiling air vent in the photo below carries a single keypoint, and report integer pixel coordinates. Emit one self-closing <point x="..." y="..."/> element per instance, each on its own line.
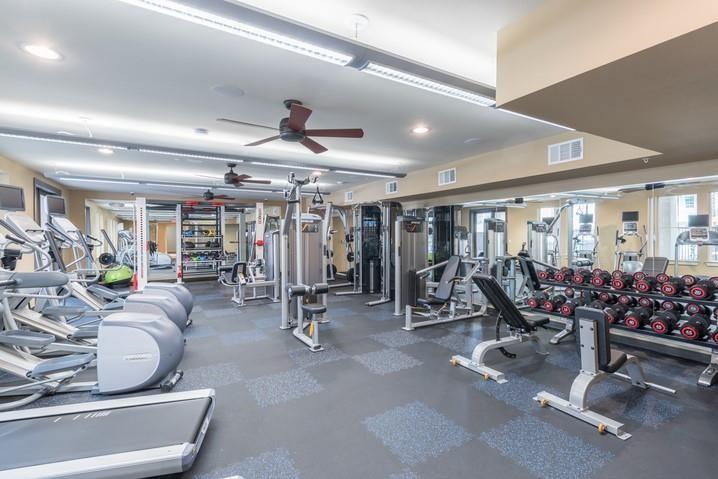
<point x="392" y="187"/>
<point x="566" y="151"/>
<point x="349" y="196"/>
<point x="446" y="177"/>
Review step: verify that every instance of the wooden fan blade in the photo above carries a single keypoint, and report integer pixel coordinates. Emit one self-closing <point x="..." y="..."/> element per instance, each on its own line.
<point x="266" y="140"/>
<point x="223" y="197"/>
<point x="237" y="122"/>
<point x="337" y="132"/>
<point x="313" y="145"/>
<point x="259" y="182"/>
<point x="298" y="116"/>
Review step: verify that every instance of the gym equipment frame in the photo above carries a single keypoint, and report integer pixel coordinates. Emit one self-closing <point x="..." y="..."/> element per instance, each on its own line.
<point x="452" y="307"/>
<point x="521" y="329"/>
<point x="598" y="362"/>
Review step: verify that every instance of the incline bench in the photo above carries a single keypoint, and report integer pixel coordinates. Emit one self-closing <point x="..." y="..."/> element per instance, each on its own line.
<point x="521" y="329"/>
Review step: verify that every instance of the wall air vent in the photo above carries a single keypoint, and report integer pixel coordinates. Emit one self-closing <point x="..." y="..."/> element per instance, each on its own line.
<point x="566" y="151"/>
<point x="446" y="177"/>
<point x="349" y="196"/>
<point x="392" y="187"/>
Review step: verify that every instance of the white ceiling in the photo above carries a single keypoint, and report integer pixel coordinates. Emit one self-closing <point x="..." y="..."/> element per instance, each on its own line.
<point x="138" y="76"/>
<point x="458" y="37"/>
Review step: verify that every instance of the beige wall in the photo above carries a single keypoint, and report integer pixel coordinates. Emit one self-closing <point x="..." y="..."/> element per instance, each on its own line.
<point x="515" y="165"/>
<point x="12" y="173"/>
<point x="564" y="38"/>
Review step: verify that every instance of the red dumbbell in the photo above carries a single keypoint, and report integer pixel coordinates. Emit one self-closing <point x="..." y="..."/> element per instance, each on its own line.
<point x="663" y="322"/>
<point x="637" y="317"/>
<point x="695" y="327"/>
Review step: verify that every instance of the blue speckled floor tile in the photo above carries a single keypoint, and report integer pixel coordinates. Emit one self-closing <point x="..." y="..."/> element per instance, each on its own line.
<point x="275" y="464"/>
<point x="387" y="361"/>
<point x="416" y="433"/>
<point x="545" y="450"/>
<point x="396" y="339"/>
<point x="283" y="387"/>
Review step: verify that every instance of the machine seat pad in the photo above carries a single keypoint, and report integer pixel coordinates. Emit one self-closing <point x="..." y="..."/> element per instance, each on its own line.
<point x="314" y="308"/>
<point x="430" y="301"/>
<point x="535" y="323"/>
<point x="64" y="310"/>
<point x="62" y="363"/>
<point x="29" y="339"/>
<point x="618" y="359"/>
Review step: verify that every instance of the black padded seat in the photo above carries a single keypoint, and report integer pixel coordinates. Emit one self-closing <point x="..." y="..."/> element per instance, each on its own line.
<point x="529" y="268"/>
<point x="314" y="308"/>
<point x="535" y="323"/>
<point x="496" y="295"/>
<point x="445" y="288"/>
<point x="429" y="301"/>
<point x="618" y="359"/>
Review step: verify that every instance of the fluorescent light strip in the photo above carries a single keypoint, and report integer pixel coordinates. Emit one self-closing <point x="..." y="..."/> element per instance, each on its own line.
<point x="160" y="185"/>
<point x="536" y="119"/>
<point x="261" y="163"/>
<point x="361" y="173"/>
<point x="58" y="140"/>
<point x="88" y="180"/>
<point x="204" y="18"/>
<point x="189" y="155"/>
<point x="426" y="84"/>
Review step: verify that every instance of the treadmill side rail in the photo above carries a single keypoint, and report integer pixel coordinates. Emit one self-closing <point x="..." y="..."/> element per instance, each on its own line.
<point x="127" y="465"/>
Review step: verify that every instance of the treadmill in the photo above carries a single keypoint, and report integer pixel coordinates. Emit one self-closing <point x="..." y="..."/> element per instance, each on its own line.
<point x="124" y="438"/>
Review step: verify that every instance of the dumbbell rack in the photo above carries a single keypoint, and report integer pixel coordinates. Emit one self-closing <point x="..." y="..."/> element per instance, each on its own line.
<point x="671" y="344"/>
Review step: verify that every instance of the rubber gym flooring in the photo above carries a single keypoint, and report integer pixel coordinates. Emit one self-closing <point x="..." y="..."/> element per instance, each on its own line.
<point x="380" y="402"/>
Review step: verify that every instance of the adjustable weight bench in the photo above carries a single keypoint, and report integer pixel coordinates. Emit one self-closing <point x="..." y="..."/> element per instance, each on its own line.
<point x="521" y="329"/>
<point x="598" y="362"/>
<point x="443" y="306"/>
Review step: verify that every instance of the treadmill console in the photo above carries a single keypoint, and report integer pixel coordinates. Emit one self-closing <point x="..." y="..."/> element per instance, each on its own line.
<point x="539" y="227"/>
<point x="30" y="230"/>
<point x="698" y="234"/>
<point x="630" y="227"/>
<point x="585" y="228"/>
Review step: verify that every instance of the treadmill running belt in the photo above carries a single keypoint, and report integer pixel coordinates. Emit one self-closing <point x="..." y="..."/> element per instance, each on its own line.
<point x="66" y="437"/>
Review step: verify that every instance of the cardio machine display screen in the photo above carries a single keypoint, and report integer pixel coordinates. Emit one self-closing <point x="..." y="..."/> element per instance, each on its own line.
<point x="56" y="205"/>
<point x="11" y="198"/>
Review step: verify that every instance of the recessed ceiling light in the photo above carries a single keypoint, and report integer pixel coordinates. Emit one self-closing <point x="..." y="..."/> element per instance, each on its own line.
<point x="41" y="51"/>
<point x="420" y="130"/>
<point x="316" y="173"/>
<point x="231" y="91"/>
<point x="340" y="182"/>
<point x="105" y="151"/>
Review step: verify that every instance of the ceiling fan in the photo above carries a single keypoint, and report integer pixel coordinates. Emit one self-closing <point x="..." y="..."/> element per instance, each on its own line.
<point x="236" y="180"/>
<point x="293" y="128"/>
<point x="209" y="195"/>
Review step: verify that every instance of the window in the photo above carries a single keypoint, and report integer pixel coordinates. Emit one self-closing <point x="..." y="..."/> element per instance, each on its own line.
<point x="477" y="227"/>
<point x="552" y="241"/>
<point x="714" y="223"/>
<point x="673" y="213"/>
<point x="585" y="242"/>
